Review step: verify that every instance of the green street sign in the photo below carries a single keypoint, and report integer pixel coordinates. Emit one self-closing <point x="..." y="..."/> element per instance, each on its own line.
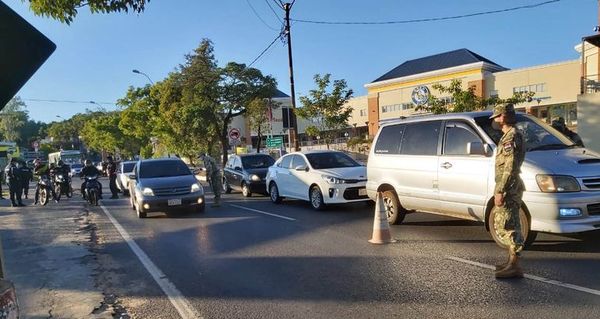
<point x="275" y="142"/>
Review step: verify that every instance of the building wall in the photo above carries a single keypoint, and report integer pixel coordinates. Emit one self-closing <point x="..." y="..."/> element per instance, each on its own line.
<point x="588" y="125"/>
<point x="360" y="109"/>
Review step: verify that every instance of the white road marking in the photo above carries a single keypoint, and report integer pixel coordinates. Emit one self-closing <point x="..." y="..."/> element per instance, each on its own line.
<point x="185" y="309"/>
<point x="261" y="212"/>
<point x="532" y="277"/>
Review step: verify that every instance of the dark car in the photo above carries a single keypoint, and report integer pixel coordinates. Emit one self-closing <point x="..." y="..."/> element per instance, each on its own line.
<point x="162" y="185"/>
<point x="247" y="173"/>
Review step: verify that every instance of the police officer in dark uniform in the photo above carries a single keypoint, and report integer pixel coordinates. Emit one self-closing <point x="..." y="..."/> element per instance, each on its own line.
<point x="111" y="171"/>
<point x="13" y="178"/>
<point x="27" y="174"/>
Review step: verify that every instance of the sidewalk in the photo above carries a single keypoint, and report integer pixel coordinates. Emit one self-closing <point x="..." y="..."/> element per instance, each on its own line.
<point x="46" y="256"/>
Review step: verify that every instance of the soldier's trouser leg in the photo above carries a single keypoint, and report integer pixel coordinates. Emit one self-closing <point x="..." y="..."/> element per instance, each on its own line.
<point x="508" y="224"/>
<point x="113" y="185"/>
<point x="216" y="185"/>
<point x="13" y="190"/>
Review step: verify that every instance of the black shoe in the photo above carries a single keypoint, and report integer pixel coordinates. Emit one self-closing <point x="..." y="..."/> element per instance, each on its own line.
<point x="22" y="205"/>
<point x="114" y="197"/>
<point x="14" y="205"/>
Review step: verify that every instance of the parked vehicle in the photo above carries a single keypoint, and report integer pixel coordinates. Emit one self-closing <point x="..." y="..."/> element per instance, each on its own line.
<point x="125" y="169"/>
<point x="246" y="173"/>
<point x="320" y="177"/>
<point x="162" y="185"/>
<point x="75" y="169"/>
<point x="44" y="193"/>
<point x="444" y="164"/>
<point x="92" y="190"/>
<point x="62" y="186"/>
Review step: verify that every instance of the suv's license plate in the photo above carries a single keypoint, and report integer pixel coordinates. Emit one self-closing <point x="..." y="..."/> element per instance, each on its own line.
<point x="362" y="192"/>
<point x="174" y="202"/>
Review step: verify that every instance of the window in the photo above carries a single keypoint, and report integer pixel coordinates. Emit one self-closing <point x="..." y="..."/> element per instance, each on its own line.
<point x="421" y="138"/>
<point x="363" y="112"/>
<point x="284" y="117"/>
<point x="230" y="162"/>
<point x="237" y="162"/>
<point x="458" y="136"/>
<point x="327" y="160"/>
<point x="389" y="139"/>
<point x="257" y="161"/>
<point x="152" y="169"/>
<point x="298" y="161"/>
<point x="286" y="161"/>
<point x="539" y="87"/>
<point x="493" y="93"/>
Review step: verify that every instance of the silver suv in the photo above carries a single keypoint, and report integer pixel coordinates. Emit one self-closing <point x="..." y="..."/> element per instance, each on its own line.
<point x="444" y="164"/>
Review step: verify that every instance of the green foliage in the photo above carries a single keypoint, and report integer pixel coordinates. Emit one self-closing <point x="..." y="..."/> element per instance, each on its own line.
<point x="102" y="133"/>
<point x="13" y="118"/>
<point x="66" y="10"/>
<point x="466" y="100"/>
<point x="312" y="131"/>
<point x="326" y="109"/>
<point x="258" y="117"/>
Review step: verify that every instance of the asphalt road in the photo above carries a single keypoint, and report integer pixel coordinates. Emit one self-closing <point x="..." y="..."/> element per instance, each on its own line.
<point x="243" y="261"/>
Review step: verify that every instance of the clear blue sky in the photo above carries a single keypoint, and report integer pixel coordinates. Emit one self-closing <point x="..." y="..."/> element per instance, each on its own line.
<point x="96" y="53"/>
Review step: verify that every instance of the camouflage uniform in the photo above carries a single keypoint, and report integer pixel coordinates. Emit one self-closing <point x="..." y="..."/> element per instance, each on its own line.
<point x="213" y="175"/>
<point x="509" y="157"/>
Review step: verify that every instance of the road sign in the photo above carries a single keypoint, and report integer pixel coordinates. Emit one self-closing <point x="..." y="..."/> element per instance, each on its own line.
<point x="275" y="141"/>
<point x="234" y="134"/>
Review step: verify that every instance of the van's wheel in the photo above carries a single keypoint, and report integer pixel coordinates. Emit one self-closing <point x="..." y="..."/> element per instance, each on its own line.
<point x="395" y="212"/>
<point x="274" y="194"/>
<point x="316" y="198"/>
<point x="246" y="190"/>
<point x="528" y="235"/>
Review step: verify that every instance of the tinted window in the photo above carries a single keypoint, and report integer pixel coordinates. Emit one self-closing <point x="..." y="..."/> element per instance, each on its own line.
<point x="128" y="167"/>
<point x="286" y="161"/>
<point x="298" y="161"/>
<point x="420" y="138"/>
<point x="163" y="169"/>
<point x="330" y="160"/>
<point x="389" y="139"/>
<point x="457" y="138"/>
<point x="257" y="161"/>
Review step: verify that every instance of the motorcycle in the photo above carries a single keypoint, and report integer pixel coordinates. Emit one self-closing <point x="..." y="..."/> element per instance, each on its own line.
<point x="44" y="189"/>
<point x="92" y="190"/>
<point x="62" y="185"/>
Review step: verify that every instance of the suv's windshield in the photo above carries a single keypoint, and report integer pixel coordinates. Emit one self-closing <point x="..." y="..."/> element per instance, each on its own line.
<point x="169" y="168"/>
<point x="257" y="161"/>
<point x="330" y="160"/>
<point x="538" y="135"/>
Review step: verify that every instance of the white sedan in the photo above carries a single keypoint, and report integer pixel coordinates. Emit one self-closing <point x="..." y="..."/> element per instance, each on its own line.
<point x="320" y="177"/>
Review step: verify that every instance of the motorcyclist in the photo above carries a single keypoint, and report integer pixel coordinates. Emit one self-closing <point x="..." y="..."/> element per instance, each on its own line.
<point x="89" y="170"/>
<point x="40" y="170"/>
<point x="63" y="169"/>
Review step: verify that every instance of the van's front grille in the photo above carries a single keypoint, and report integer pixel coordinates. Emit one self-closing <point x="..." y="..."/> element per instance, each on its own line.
<point x="592" y="183"/>
<point x="593" y="209"/>
<point x="171" y="191"/>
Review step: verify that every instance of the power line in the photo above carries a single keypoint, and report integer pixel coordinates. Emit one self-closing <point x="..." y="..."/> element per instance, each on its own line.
<point x="265" y="50"/>
<point x="259" y="17"/>
<point x="273" y="10"/>
<point x="68" y="101"/>
<point x="431" y="19"/>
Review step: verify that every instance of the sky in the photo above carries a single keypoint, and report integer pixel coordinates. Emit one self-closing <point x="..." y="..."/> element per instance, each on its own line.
<point x="96" y="54"/>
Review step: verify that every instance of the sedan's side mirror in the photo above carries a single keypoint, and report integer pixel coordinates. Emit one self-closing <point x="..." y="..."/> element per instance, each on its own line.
<point x="237" y="168"/>
<point x="302" y="168"/>
<point x="478" y="148"/>
<point x="132" y="176"/>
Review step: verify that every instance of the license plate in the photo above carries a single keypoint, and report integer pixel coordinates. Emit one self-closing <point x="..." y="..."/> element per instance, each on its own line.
<point x="362" y="192"/>
<point x="174" y="202"/>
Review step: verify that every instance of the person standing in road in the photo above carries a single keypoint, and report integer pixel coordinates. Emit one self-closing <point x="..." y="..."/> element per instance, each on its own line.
<point x="27" y="174"/>
<point x="111" y="171"/>
<point x="508" y="192"/>
<point x="1" y="181"/>
<point x="13" y="178"/>
<point x="213" y="176"/>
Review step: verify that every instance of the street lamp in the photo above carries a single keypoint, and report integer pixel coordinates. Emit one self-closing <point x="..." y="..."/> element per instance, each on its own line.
<point x="142" y="73"/>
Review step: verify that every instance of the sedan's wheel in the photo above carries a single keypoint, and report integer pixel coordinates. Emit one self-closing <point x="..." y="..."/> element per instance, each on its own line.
<point x="246" y="190"/>
<point x="528" y="235"/>
<point x="226" y="187"/>
<point x="274" y="192"/>
<point x="395" y="213"/>
<point x="316" y="198"/>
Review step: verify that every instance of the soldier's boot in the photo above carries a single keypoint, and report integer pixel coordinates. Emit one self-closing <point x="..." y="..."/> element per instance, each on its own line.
<point x="503" y="265"/>
<point x="217" y="202"/>
<point x="512" y="270"/>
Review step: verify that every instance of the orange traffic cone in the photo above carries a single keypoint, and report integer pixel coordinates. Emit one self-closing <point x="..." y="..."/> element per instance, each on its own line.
<point x="381" y="226"/>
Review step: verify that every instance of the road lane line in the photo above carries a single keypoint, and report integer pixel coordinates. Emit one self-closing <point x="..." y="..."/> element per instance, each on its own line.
<point x="261" y="212"/>
<point x="532" y="277"/>
<point x="185" y="309"/>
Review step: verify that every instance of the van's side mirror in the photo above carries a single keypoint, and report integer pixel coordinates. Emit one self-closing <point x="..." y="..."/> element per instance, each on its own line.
<point x="478" y="148"/>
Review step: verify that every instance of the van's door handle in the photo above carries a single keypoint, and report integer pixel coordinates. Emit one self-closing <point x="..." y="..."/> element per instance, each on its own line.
<point x="446" y="165"/>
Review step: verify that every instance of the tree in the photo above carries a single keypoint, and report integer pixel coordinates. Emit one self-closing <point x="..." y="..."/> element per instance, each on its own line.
<point x="12" y="119"/>
<point x="67" y="131"/>
<point x="258" y="113"/>
<point x="65" y="11"/>
<point x="466" y="100"/>
<point x="140" y="115"/>
<point x="102" y="133"/>
<point x="326" y="109"/>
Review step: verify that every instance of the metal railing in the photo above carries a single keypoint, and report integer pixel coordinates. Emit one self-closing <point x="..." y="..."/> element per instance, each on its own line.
<point x="590" y="84"/>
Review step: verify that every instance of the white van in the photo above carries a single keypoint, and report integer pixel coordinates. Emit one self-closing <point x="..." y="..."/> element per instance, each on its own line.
<point x="444" y="164"/>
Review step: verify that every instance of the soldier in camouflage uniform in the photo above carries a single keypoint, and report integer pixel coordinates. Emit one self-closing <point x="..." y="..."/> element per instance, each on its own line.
<point x="213" y="176"/>
<point x="508" y="192"/>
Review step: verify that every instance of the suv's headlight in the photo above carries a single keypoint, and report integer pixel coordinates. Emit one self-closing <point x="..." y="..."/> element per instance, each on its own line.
<point x="147" y="191"/>
<point x="254" y="178"/>
<point x="557" y="183"/>
<point x="196" y="188"/>
<point x="332" y="179"/>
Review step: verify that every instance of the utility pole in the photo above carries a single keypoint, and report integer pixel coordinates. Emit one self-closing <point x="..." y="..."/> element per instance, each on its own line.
<point x="293" y="124"/>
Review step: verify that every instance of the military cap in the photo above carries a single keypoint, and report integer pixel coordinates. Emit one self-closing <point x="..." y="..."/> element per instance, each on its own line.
<point x="503" y="108"/>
